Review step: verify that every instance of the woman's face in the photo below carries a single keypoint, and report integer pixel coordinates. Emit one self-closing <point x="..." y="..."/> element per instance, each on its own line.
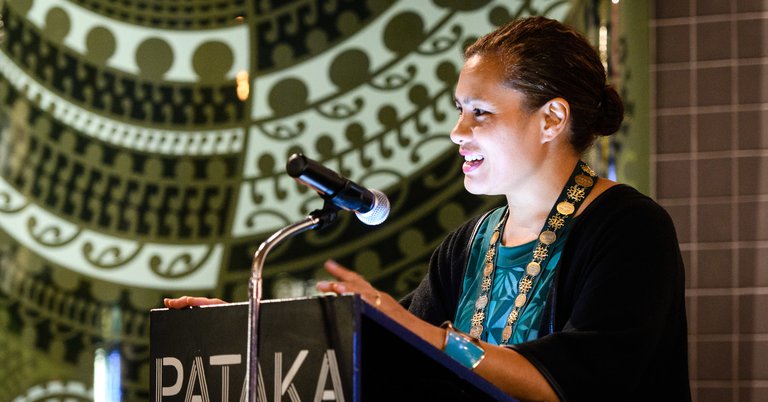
<point x="498" y="137"/>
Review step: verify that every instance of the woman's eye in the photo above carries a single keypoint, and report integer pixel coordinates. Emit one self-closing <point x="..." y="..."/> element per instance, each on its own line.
<point x="478" y="112"/>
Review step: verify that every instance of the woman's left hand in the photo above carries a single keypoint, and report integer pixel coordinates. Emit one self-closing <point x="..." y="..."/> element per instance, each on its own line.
<point x="190" y="301"/>
<point x="348" y="281"/>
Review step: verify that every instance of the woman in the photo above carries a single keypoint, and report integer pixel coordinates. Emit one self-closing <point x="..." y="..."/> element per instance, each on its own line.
<point x="573" y="290"/>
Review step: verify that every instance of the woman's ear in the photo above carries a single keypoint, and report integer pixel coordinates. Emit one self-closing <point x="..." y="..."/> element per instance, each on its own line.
<point x="557" y="114"/>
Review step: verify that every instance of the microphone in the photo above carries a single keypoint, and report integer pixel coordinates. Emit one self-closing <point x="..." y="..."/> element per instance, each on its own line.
<point x="370" y="206"/>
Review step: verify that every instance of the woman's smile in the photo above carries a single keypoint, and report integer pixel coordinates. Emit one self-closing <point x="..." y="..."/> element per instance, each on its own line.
<point x="472" y="161"/>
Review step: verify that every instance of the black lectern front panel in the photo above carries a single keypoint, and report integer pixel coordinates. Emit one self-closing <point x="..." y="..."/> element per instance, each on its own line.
<point x="312" y="349"/>
<point x="306" y="351"/>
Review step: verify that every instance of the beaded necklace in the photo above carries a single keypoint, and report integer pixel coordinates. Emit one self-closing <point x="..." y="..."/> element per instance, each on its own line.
<point x="575" y="191"/>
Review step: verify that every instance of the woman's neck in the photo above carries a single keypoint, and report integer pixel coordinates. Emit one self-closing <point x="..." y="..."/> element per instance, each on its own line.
<point x="530" y="206"/>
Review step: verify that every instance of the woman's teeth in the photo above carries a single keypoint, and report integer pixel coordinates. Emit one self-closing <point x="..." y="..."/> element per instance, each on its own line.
<point x="472" y="158"/>
<point x="472" y="162"/>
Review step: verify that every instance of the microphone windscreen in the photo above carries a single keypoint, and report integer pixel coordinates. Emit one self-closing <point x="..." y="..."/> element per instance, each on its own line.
<point x="380" y="211"/>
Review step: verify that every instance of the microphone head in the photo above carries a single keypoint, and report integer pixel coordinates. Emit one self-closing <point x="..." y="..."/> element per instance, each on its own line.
<point x="379" y="212"/>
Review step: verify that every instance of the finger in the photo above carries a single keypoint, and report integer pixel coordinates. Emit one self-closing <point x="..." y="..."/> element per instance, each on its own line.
<point x="324" y="286"/>
<point x="179" y="302"/>
<point x="189" y="301"/>
<point x="340" y="272"/>
<point x="204" y="301"/>
<point x="335" y="287"/>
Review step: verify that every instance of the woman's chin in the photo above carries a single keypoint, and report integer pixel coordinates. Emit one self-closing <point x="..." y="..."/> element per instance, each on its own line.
<point x="473" y="187"/>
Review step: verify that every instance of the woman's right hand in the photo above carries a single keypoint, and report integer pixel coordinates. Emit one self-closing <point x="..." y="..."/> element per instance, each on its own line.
<point x="190" y="301"/>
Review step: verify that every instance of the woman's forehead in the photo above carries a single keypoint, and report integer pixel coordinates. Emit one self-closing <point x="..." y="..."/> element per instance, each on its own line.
<point x="481" y="77"/>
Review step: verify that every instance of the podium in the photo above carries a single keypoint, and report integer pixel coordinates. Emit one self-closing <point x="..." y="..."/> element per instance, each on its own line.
<point x="326" y="348"/>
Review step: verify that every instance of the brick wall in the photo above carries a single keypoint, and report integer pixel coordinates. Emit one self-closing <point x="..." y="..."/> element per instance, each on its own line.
<point x="710" y="71"/>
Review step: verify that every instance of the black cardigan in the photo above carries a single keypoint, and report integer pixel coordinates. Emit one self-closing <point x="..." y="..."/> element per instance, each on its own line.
<point x="614" y="327"/>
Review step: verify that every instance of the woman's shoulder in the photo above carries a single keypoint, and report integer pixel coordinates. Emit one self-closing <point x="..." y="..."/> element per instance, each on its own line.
<point x="625" y="227"/>
<point x="621" y="196"/>
<point x="622" y="204"/>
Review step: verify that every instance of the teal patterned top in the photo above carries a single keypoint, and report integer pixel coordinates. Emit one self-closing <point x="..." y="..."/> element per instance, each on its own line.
<point x="510" y="268"/>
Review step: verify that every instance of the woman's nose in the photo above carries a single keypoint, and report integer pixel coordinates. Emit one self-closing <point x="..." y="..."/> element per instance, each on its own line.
<point x="460" y="132"/>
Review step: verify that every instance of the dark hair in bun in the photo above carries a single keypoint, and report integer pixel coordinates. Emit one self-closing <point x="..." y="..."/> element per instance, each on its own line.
<point x="545" y="59"/>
